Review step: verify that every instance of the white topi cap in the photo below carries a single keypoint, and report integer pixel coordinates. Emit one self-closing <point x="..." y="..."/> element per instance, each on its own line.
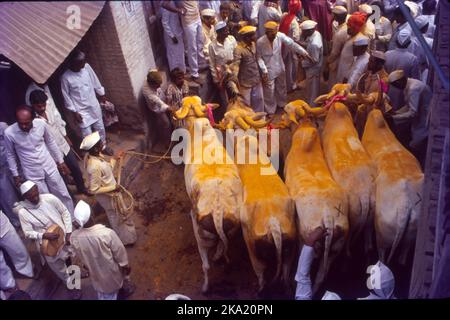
<point x="26" y="186"/>
<point x="339" y="10"/>
<point x="308" y="25"/>
<point x="220" y="25"/>
<point x="421" y="21"/>
<point x="82" y="212"/>
<point x="404" y="36"/>
<point x="208" y="13"/>
<point x="365" y="8"/>
<point x="396" y="75"/>
<point x="361" y="40"/>
<point x="90" y="141"/>
<point x="341" y="3"/>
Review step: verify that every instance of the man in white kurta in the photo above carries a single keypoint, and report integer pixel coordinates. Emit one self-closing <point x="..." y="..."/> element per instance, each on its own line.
<point x="35" y="150"/>
<point x="189" y="14"/>
<point x="383" y="28"/>
<point x="102" y="253"/>
<point x="267" y="11"/>
<point x="401" y="58"/>
<point x="313" y="68"/>
<point x="401" y="23"/>
<point x="369" y="27"/>
<point x="415" y="111"/>
<point x="355" y="24"/>
<point x="45" y="109"/>
<point x="302" y="276"/>
<point x="8" y="191"/>
<point x="290" y="59"/>
<point x="360" y="60"/>
<point x="209" y="33"/>
<point x="270" y="61"/>
<point x="384" y="281"/>
<point x="173" y="38"/>
<point x="102" y="184"/>
<point x="338" y="41"/>
<point x="220" y="57"/>
<point x="250" y="10"/>
<point x="11" y="243"/>
<point x="37" y="213"/>
<point x="79" y="86"/>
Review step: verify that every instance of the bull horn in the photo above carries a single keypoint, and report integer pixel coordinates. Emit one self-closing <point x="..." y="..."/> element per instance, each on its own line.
<point x="241" y="123"/>
<point x="352" y="98"/>
<point x="182" y="112"/>
<point x="259" y="115"/>
<point x="255" y="124"/>
<point x="198" y="111"/>
<point x="331" y="94"/>
<point x="292" y="118"/>
<point x="314" y="111"/>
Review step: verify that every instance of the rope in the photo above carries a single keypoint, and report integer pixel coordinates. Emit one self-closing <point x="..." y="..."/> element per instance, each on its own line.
<point x="146" y="155"/>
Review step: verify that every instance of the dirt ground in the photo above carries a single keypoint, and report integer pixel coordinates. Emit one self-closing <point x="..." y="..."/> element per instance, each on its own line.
<point x="165" y="258"/>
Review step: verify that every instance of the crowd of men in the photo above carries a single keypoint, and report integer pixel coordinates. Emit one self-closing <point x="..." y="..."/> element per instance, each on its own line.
<point x="271" y="48"/>
<point x="266" y="48"/>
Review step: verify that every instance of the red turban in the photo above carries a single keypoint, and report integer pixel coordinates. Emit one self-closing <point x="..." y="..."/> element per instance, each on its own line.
<point x="294" y="7"/>
<point x="356" y="21"/>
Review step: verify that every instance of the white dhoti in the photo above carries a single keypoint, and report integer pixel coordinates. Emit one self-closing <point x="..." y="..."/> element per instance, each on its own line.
<point x="291" y="65"/>
<point x="53" y="183"/>
<point x="6" y="277"/>
<point x="175" y="53"/>
<point x="96" y="126"/>
<point x="58" y="263"/>
<point x="194" y="44"/>
<point x="275" y="93"/>
<point x="254" y="97"/>
<point x="14" y="247"/>
<point x="332" y="74"/>
<point x="312" y="88"/>
<point x="125" y="229"/>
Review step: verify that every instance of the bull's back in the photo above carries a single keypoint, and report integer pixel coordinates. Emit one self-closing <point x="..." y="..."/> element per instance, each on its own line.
<point x="266" y="196"/>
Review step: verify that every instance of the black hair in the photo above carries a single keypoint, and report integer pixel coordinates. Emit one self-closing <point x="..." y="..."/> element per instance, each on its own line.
<point x="428" y="7"/>
<point x="174" y="73"/>
<point x="225" y="5"/>
<point x="25" y="107"/>
<point x="37" y="97"/>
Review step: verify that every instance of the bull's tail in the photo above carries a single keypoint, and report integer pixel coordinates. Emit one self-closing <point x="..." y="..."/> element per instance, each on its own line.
<point x="275" y="231"/>
<point x="400" y="233"/>
<point x="329" y="225"/>
<point x="364" y="212"/>
<point x="218" y="224"/>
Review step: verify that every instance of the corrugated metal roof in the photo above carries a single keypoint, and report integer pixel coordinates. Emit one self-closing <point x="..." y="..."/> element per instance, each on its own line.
<point x="36" y="37"/>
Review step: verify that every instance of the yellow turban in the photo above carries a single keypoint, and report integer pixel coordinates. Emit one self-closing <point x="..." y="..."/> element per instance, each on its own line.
<point x="271" y="25"/>
<point x="247" y="29"/>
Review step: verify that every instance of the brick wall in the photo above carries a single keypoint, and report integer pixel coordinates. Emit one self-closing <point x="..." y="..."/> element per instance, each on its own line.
<point x="119" y="50"/>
